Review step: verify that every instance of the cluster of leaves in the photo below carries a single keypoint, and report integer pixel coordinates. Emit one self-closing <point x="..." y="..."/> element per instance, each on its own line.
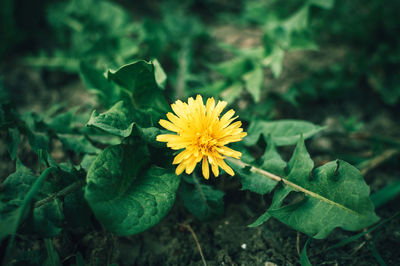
<point x="245" y="72"/>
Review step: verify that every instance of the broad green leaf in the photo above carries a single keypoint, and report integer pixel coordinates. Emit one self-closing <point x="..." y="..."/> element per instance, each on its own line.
<point x="254" y="80"/>
<point x="117" y="121"/>
<point x="284" y="132"/>
<point x="336" y="193"/>
<point x="139" y="78"/>
<point x="78" y="144"/>
<point x="125" y="195"/>
<point x="13" y="142"/>
<point x="123" y="121"/>
<point x="203" y="201"/>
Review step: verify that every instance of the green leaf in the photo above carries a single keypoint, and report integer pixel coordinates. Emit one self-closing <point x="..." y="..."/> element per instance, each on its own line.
<point x="161" y="77"/>
<point x="333" y="195"/>
<point x="284" y="132"/>
<point x="78" y="144"/>
<point x="13" y="142"/>
<point x="125" y="196"/>
<point x="62" y="123"/>
<point x="336" y="193"/>
<point x="139" y="78"/>
<point x="122" y="120"/>
<point x="233" y="68"/>
<point x="117" y="121"/>
<point x="95" y="81"/>
<point x="11" y="220"/>
<point x="203" y="201"/>
<point x="304" y="261"/>
<point x="272" y="162"/>
<point x="254" y="81"/>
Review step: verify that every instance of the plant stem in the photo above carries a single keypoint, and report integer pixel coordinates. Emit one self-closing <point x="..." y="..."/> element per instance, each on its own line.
<point x="287" y="182"/>
<point x="62" y="193"/>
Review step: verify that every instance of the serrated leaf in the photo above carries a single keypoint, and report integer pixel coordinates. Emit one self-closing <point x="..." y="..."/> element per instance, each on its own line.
<point x="254" y="81"/>
<point x="333" y="195"/>
<point x="117" y="121"/>
<point x="284" y="132"/>
<point x="13" y="142"/>
<point x="201" y="200"/>
<point x="125" y="196"/>
<point x="139" y="78"/>
<point x="336" y="193"/>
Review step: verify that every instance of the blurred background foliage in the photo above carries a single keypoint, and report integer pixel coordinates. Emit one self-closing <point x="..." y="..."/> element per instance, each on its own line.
<point x="191" y="41"/>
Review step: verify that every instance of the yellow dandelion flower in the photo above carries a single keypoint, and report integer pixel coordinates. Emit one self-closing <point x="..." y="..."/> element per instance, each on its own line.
<point x="202" y="134"/>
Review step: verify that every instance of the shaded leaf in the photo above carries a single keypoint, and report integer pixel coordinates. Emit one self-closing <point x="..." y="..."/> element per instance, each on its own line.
<point x="78" y="144"/>
<point x="95" y="81"/>
<point x="304" y="261"/>
<point x="117" y="121"/>
<point x="48" y="219"/>
<point x="203" y="201"/>
<point x="125" y="196"/>
<point x="336" y="193"/>
<point x="139" y="78"/>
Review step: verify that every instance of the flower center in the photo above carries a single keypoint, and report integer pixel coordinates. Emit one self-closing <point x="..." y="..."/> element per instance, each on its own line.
<point x="205" y="142"/>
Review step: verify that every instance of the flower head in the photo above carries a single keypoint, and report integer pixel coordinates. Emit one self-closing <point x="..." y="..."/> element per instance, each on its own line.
<point x="202" y="134"/>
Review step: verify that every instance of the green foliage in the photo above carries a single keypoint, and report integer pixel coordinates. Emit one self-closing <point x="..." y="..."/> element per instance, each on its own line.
<point x="323" y="193"/>
<point x="201" y="200"/>
<point x="125" y="195"/>
<point x="284" y="132"/>
<point x="139" y="78"/>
